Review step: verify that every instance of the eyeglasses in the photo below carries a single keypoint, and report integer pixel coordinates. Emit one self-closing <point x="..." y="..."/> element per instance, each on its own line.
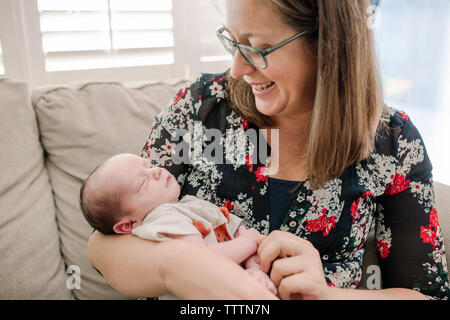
<point x="255" y="56"/>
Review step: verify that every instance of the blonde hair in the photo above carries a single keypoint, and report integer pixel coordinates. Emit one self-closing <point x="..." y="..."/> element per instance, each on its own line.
<point x="348" y="101"/>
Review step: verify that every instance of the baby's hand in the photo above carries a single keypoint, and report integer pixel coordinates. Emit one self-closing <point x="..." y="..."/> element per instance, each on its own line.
<point x="263" y="278"/>
<point x="251" y="233"/>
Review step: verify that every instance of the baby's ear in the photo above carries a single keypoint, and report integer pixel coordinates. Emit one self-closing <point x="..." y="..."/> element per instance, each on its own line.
<point x="123" y="226"/>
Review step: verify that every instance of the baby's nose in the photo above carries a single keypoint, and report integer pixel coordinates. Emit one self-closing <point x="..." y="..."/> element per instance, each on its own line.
<point x="157" y="173"/>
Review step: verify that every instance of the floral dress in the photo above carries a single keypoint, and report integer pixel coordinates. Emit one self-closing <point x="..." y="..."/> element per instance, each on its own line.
<point x="392" y="189"/>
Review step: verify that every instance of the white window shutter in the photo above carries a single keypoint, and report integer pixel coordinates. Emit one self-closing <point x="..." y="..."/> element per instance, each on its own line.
<point x="210" y="55"/>
<point x="93" y="34"/>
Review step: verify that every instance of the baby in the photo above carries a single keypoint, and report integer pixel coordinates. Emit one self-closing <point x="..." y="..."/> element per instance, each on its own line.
<point x="128" y="195"/>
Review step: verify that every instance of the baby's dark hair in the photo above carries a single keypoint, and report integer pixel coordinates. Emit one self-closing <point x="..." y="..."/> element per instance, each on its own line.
<point x="102" y="211"/>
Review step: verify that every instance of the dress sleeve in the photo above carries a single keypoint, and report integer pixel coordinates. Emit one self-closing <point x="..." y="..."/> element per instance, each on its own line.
<point x="408" y="236"/>
<point x="168" y="144"/>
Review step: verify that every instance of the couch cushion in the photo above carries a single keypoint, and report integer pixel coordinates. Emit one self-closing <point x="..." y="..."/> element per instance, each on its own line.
<point x="81" y="125"/>
<point x="31" y="266"/>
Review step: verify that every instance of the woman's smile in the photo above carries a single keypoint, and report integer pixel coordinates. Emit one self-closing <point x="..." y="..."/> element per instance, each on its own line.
<point x="262" y="89"/>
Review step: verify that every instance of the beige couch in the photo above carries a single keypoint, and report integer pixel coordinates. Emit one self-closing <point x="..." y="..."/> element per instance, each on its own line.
<point x="50" y="140"/>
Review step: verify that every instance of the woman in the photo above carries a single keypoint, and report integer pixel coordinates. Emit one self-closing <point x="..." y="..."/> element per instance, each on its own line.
<point x="351" y="161"/>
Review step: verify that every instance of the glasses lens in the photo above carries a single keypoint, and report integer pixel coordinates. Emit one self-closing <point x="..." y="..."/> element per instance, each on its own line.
<point x="253" y="56"/>
<point x="227" y="43"/>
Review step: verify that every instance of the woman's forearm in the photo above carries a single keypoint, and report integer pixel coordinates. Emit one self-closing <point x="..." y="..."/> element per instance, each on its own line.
<point x="129" y="264"/>
<point x="383" y="294"/>
<point x="142" y="268"/>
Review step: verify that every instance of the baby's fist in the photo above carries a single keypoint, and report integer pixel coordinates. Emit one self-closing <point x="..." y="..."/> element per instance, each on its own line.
<point x="251" y="233"/>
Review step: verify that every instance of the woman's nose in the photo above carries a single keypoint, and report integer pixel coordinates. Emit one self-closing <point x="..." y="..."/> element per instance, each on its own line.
<point x="240" y="66"/>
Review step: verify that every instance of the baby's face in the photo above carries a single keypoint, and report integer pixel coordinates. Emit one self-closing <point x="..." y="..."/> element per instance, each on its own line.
<point x="142" y="186"/>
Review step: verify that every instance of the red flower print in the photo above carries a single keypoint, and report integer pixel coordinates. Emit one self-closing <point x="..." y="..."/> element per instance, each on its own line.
<point x="398" y="185"/>
<point x="434" y="220"/>
<point x="428" y="234"/>
<point x="146" y="150"/>
<point x="245" y="123"/>
<point x="321" y="224"/>
<point x="228" y="205"/>
<point x="383" y="249"/>
<point x="367" y="194"/>
<point x="249" y="162"/>
<point x="404" y="115"/>
<point x="220" y="80"/>
<point x="262" y="174"/>
<point x="354" y="207"/>
<point x="181" y="94"/>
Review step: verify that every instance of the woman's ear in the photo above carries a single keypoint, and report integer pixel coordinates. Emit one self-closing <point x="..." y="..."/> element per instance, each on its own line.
<point x="123" y="226"/>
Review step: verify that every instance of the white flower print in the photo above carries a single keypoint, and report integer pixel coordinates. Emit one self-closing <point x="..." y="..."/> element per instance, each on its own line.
<point x="217" y="90"/>
<point x="424" y="193"/>
<point x="383" y="235"/>
<point x="379" y="173"/>
<point x="411" y="152"/>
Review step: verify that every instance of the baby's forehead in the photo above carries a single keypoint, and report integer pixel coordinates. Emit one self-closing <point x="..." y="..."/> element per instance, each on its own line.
<point x="119" y="169"/>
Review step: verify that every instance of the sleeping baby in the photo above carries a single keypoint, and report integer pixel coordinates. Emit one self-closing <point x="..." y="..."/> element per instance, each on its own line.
<point x="127" y="195"/>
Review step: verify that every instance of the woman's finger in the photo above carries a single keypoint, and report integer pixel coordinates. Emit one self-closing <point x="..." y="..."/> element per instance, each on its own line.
<point x="280" y="244"/>
<point x="297" y="286"/>
<point x="260" y="239"/>
<point x="285" y="267"/>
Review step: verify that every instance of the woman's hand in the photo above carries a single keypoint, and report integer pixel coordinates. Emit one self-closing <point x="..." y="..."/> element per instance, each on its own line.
<point x="296" y="267"/>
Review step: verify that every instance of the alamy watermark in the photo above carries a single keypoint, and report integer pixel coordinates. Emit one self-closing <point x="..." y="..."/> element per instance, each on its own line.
<point x="237" y="147"/>
<point x="74" y="279"/>
<point x="374" y="280"/>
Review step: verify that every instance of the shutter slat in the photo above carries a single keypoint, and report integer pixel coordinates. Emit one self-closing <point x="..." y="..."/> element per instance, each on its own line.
<point x="141" y="20"/>
<point x="78" y="60"/>
<point x="141" y="5"/>
<point x="75" y="41"/>
<point x="73" y="5"/>
<point x="142" y="39"/>
<point x="74" y="21"/>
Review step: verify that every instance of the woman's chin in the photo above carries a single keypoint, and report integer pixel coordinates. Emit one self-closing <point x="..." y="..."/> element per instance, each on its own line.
<point x="267" y="109"/>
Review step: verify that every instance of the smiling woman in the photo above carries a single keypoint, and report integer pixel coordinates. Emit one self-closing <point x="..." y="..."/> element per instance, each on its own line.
<point x="337" y="91"/>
